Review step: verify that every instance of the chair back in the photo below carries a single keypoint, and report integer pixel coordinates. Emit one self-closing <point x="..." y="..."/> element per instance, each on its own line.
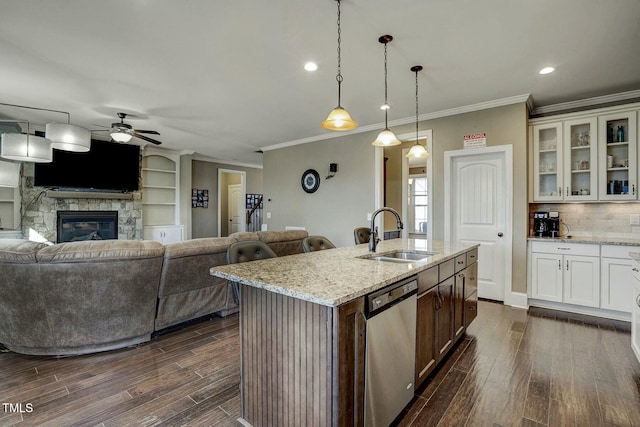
<point x="249" y="250"/>
<point x="361" y="235"/>
<point x="316" y="243"/>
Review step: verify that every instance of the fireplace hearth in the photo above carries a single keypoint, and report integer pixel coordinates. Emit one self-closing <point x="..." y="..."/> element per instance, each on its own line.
<point x="87" y="225"/>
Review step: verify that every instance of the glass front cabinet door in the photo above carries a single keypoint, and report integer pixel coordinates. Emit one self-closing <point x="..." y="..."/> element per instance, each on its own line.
<point x="617" y="156"/>
<point x="547" y="162"/>
<point x="580" y="159"/>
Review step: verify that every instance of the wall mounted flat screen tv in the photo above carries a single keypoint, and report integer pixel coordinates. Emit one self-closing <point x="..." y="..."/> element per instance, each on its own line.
<point x="108" y="166"/>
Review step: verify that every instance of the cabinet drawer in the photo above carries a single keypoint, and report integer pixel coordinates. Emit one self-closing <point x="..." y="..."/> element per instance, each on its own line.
<point x="470" y="309"/>
<point x="617" y="251"/>
<point x="563" y="248"/>
<point x="472" y="256"/>
<point x="427" y="279"/>
<point x="461" y="262"/>
<point x="470" y="280"/>
<point x="446" y="270"/>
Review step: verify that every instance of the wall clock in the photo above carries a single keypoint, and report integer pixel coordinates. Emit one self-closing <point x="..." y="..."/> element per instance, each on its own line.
<point x="310" y="180"/>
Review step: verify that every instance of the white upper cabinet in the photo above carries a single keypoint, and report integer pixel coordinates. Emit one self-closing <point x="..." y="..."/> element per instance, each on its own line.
<point x="581" y="156"/>
<point x="586" y="156"/>
<point x="547" y="162"/>
<point x="617" y="158"/>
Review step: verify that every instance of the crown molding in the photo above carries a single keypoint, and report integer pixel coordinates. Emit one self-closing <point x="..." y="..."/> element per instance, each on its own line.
<point x="427" y="116"/>
<point x="586" y="103"/>
<point x="203" y="158"/>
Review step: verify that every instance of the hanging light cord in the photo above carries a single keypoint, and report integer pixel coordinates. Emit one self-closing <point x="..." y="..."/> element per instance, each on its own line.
<point x="386" y="104"/>
<point x="416" y="106"/>
<point x="339" y="75"/>
<point x="39" y="109"/>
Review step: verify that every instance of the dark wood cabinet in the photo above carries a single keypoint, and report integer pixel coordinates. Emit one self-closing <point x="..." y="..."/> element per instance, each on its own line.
<point x="425" y="334"/>
<point x="458" y="304"/>
<point x="444" y="318"/>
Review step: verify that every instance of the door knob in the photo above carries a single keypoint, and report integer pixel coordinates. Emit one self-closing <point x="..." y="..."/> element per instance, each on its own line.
<point x="500" y="234"/>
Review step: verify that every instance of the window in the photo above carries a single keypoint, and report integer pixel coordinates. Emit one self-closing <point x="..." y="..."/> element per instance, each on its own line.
<point x="418" y="204"/>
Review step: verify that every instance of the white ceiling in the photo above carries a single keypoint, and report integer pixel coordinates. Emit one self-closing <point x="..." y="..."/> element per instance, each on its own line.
<point x="224" y="79"/>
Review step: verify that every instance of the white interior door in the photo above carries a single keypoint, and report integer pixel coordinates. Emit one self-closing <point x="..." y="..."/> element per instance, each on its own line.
<point x="478" y="205"/>
<point x="235" y="206"/>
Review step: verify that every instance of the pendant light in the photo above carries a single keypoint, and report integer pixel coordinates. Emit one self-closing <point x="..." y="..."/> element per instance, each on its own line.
<point x="339" y="118"/>
<point x="63" y="136"/>
<point x="25" y="148"/>
<point x="417" y="150"/>
<point x="386" y="138"/>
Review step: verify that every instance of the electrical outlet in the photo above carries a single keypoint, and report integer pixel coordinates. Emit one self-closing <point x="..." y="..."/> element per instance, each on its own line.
<point x="268" y="215"/>
<point x="634" y="219"/>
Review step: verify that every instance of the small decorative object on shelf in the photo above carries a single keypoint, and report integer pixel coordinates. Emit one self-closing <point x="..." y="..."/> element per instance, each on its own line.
<point x="620" y="134"/>
<point x="609" y="134"/>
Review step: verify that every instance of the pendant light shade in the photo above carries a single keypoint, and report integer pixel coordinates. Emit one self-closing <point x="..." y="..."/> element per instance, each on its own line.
<point x="339" y="118"/>
<point x="386" y="138"/>
<point x="26" y="148"/>
<point x="417" y="150"/>
<point x="68" y="137"/>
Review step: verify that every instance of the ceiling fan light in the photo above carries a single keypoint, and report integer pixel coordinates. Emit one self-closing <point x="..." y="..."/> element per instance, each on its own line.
<point x="418" y="151"/>
<point x="339" y="119"/>
<point x="26" y="148"/>
<point x="386" y="138"/>
<point x="121" y="136"/>
<point x="68" y="137"/>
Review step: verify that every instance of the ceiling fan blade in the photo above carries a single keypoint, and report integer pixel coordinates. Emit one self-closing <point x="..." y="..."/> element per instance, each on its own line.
<point x="146" y="138"/>
<point x="152" y="132"/>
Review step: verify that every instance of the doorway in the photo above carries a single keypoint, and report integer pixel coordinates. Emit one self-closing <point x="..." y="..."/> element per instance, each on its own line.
<point x="231" y="201"/>
<point x="478" y="209"/>
<point x="397" y="182"/>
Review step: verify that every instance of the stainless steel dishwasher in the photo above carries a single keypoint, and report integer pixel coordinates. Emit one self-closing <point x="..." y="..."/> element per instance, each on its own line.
<point x="390" y="355"/>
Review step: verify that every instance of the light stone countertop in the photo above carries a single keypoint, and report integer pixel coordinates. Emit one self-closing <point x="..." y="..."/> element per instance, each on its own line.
<point x="589" y="240"/>
<point x="635" y="256"/>
<point x="336" y="276"/>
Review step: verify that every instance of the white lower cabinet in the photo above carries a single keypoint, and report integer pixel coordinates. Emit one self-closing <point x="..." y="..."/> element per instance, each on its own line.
<point x="164" y="234"/>
<point x="565" y="273"/>
<point x="588" y="275"/>
<point x="616" y="279"/>
<point x="635" y="316"/>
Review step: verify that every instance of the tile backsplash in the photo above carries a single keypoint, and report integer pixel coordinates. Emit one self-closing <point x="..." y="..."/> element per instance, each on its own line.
<point x="592" y="219"/>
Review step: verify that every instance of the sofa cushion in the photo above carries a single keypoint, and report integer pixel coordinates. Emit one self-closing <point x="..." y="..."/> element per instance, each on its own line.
<point x="244" y="235"/>
<point x="100" y="250"/>
<point x="18" y="251"/>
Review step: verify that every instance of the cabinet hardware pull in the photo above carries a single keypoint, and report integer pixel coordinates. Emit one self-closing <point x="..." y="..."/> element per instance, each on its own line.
<point x="560" y="191"/>
<point x="634" y="269"/>
<point x="567" y="265"/>
<point x="564" y="249"/>
<point x="559" y="265"/>
<point x="567" y="193"/>
<point x="638" y="300"/>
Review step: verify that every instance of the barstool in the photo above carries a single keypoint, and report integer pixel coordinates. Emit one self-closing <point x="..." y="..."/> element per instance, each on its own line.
<point x="361" y="235"/>
<point x="316" y="243"/>
<point x="244" y="251"/>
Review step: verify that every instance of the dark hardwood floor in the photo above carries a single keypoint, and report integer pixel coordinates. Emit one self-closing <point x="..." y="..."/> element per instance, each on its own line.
<point x="513" y="368"/>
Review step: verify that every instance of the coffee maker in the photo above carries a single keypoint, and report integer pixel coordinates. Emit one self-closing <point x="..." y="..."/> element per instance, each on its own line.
<point x="540" y="224"/>
<point x="553" y="224"/>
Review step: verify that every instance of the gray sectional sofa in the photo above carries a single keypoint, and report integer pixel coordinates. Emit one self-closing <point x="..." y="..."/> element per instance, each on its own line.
<point x="84" y="297"/>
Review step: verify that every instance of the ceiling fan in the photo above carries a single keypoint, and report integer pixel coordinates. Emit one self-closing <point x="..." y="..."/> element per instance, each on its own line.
<point x="123" y="132"/>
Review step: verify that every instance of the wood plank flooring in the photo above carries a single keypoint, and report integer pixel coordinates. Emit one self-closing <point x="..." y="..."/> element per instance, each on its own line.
<point x="513" y="368"/>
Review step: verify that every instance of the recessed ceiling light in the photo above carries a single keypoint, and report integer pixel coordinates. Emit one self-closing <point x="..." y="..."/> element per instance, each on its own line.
<point x="547" y="70"/>
<point x="310" y="66"/>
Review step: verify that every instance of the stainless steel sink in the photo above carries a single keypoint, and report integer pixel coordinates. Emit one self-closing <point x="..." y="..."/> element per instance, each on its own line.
<point x="402" y="256"/>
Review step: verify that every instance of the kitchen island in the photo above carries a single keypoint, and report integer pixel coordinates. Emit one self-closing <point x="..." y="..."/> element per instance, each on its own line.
<point x="303" y="324"/>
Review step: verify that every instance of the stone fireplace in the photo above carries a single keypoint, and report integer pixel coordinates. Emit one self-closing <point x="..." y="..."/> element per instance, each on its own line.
<point x="86" y="225"/>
